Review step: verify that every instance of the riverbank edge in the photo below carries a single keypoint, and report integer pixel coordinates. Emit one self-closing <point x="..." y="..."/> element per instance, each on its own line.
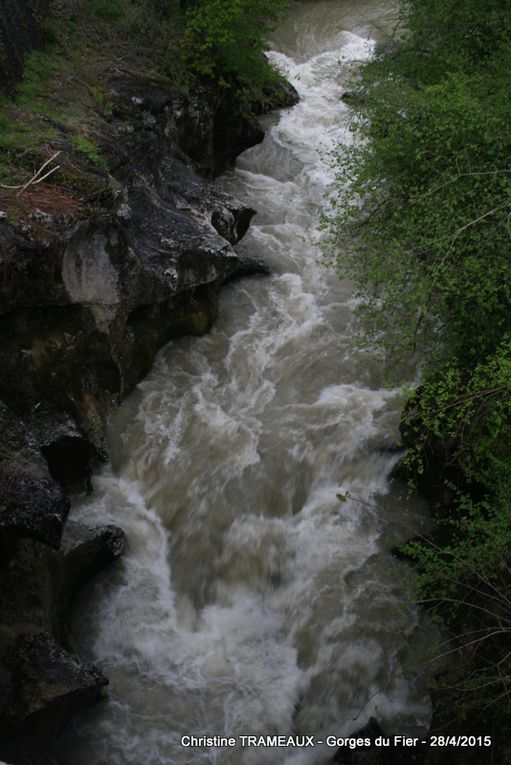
<point x="125" y="247"/>
<point x="429" y="109"/>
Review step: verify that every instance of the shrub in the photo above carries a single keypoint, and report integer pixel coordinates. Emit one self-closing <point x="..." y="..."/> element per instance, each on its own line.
<point x="421" y="224"/>
<point x="224" y="39"/>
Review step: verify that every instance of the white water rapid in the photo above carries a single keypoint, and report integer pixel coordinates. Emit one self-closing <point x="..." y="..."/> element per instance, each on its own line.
<point x="253" y="600"/>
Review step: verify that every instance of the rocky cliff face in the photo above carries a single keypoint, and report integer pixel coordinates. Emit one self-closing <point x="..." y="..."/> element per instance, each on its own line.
<point x="44" y="561"/>
<point x="92" y="284"/>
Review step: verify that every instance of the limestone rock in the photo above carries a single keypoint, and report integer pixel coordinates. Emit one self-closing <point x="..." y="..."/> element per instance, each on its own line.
<point x="86" y="551"/>
<point x="31" y="502"/>
<point x="68" y="453"/>
<point x="86" y="301"/>
<point x="44" y="686"/>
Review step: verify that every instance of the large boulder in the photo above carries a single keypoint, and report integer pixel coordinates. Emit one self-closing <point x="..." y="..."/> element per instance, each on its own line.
<point x="84" y="309"/>
<point x="44" y="561"/>
<point x="85" y="551"/>
<point x="43" y="686"/>
<point x="32" y="504"/>
<point x="373" y="754"/>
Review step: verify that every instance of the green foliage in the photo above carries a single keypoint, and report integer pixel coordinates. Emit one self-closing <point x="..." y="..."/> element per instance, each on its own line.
<point x="170" y="41"/>
<point x="421" y="223"/>
<point x="224" y="39"/>
<point x="109" y="10"/>
<point x="423" y="227"/>
<point x="89" y="148"/>
<point x="64" y="98"/>
<point x="25" y="121"/>
<point x="464" y="586"/>
<point x="135" y="16"/>
<point x="34" y="89"/>
<point x="447" y="35"/>
<point x="468" y="411"/>
<point x="18" y="139"/>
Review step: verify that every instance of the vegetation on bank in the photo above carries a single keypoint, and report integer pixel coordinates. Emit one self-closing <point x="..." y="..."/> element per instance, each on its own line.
<point x="64" y="93"/>
<point x="422" y="225"/>
<point x="225" y="40"/>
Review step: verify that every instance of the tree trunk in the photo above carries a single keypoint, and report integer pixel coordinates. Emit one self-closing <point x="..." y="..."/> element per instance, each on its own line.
<point x="20" y="33"/>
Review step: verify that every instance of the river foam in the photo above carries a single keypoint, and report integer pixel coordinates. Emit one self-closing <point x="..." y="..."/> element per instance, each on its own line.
<point x="256" y="596"/>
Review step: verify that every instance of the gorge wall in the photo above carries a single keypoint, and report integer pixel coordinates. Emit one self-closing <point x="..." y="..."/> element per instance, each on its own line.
<point x="99" y="268"/>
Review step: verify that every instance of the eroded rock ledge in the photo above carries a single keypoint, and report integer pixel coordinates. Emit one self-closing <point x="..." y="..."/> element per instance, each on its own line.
<point x="44" y="560"/>
<point x="91" y="287"/>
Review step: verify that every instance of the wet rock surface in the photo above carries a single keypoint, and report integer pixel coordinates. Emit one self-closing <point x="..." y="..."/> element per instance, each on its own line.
<point x="369" y="749"/>
<point x="68" y="453"/>
<point x="44" y="561"/>
<point x="32" y="504"/>
<point x="93" y="284"/>
<point x="84" y="310"/>
<point x="85" y="552"/>
<point x="45" y="685"/>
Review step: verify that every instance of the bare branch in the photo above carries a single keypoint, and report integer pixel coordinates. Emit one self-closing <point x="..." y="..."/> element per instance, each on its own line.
<point x="37" y="178"/>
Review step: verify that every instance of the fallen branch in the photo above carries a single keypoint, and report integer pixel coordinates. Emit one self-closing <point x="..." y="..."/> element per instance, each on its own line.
<point x="37" y="178"/>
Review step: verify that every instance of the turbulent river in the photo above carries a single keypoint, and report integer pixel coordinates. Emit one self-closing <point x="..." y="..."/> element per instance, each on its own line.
<point x="252" y="599"/>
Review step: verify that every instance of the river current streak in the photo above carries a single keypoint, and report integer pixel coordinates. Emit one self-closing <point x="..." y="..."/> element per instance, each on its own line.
<point x="256" y="597"/>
